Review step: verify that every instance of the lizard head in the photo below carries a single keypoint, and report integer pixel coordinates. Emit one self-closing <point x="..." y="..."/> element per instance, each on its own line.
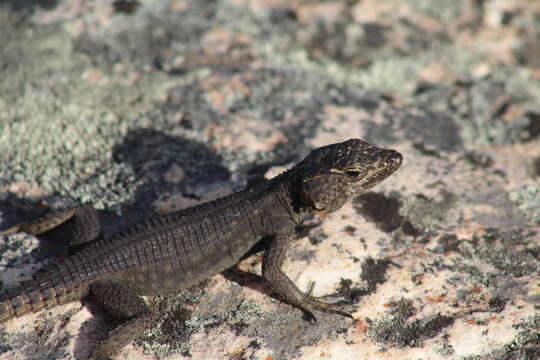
<point x="331" y="175"/>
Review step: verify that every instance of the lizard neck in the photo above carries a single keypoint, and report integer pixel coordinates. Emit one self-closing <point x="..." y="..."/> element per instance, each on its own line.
<point x="282" y="200"/>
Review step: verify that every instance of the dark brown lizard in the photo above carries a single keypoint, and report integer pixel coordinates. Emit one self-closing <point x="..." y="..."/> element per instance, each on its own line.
<point x="175" y="251"/>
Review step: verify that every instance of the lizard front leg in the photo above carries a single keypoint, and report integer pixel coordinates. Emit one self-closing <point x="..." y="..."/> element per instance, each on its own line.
<point x="284" y="287"/>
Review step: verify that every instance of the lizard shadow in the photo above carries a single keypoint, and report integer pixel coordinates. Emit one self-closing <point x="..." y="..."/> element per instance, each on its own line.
<point x="165" y="166"/>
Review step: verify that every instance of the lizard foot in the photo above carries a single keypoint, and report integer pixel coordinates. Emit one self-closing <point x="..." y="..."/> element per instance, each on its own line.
<point x="310" y="303"/>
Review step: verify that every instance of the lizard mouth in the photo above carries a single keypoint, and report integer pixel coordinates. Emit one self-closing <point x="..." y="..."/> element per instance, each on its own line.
<point x="391" y="163"/>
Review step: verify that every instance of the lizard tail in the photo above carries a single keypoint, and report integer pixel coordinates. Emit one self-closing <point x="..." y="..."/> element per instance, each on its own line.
<point x="35" y="295"/>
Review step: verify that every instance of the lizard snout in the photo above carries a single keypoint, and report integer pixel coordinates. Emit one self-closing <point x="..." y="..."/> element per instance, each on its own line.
<point x="394" y="159"/>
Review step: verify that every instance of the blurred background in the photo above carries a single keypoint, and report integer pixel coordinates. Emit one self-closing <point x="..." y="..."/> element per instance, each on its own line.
<point x="148" y="106"/>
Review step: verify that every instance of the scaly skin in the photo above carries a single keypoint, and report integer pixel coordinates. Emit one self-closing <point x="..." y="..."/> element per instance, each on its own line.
<point x="175" y="251"/>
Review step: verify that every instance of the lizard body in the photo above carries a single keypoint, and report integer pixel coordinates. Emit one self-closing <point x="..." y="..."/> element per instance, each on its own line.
<point x="171" y="252"/>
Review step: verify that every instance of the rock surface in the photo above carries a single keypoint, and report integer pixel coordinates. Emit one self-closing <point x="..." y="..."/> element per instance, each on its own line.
<point x="144" y="107"/>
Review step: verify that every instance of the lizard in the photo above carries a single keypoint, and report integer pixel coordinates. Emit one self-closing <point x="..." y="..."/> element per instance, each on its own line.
<point x="170" y="252"/>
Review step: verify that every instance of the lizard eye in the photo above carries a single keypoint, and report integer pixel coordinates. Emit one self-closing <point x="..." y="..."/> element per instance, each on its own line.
<point x="352" y="173"/>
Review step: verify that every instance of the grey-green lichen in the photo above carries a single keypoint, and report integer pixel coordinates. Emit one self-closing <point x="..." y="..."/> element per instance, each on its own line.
<point x="173" y="330"/>
<point x="397" y="331"/>
<point x="445" y="10"/>
<point x="525" y="345"/>
<point x="527" y="198"/>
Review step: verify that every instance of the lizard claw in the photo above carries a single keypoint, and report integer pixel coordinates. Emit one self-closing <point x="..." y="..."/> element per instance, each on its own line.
<point x="311" y="286"/>
<point x="311" y="302"/>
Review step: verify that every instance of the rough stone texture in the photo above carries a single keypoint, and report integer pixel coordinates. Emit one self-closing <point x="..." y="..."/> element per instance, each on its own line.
<point x="149" y="106"/>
